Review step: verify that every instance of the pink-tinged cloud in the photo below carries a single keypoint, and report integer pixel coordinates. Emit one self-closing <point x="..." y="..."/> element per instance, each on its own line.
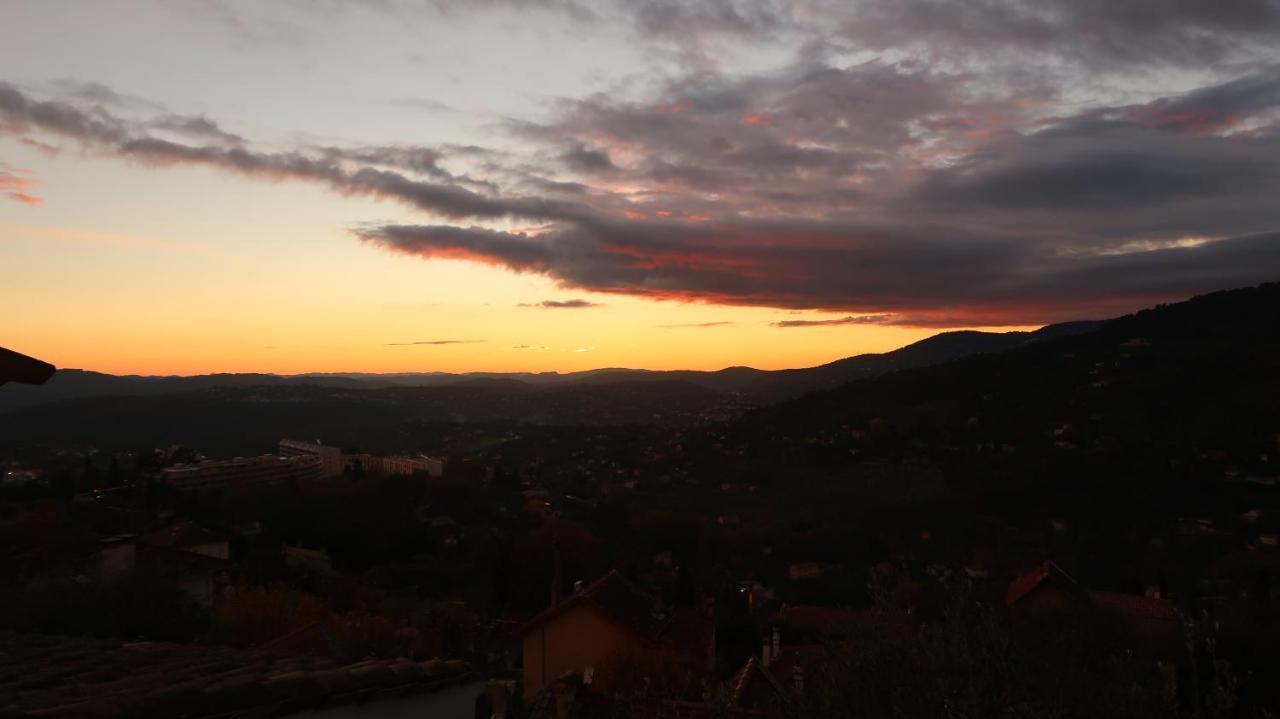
<point x="22" y="197"/>
<point x="1213" y="109"/>
<point x="17" y="184"/>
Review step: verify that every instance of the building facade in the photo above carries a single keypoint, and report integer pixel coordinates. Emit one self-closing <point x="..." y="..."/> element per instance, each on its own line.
<point x="241" y="472"/>
<point x="331" y="459"/>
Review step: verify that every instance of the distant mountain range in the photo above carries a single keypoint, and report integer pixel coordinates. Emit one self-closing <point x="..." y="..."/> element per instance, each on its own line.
<point x="1196" y="378"/>
<point x="1176" y="390"/>
<point x="746" y="385"/>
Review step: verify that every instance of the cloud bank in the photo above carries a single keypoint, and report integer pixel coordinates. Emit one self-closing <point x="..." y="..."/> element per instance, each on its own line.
<point x="433" y="342"/>
<point x="914" y="162"/>
<point x="562" y="304"/>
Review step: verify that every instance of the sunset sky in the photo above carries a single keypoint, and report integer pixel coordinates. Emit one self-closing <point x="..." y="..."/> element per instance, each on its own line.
<point x="394" y="185"/>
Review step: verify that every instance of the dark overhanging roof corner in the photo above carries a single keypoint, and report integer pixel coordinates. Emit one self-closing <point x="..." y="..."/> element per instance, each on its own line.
<point x="16" y="367"/>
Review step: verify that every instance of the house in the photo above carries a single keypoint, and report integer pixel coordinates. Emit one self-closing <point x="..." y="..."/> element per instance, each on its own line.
<point x="1048" y="589"/>
<point x="188" y="537"/>
<point x="193" y="557"/>
<point x="604" y="622"/>
<point x="1250" y="574"/>
<point x="772" y="683"/>
<point x="117" y="555"/>
<point x="1044" y="590"/>
<point x="311" y="561"/>
<point x="804" y="570"/>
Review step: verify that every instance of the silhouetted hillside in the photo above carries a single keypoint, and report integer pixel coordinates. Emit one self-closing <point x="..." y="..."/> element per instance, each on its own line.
<point x="75" y="383"/>
<point x="1187" y="390"/>
<point x="751" y="385"/>
<point x="250" y="419"/>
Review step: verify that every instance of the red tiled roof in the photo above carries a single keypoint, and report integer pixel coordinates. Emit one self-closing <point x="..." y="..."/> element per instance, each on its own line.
<point x="1046" y="573"/>
<point x="779" y="676"/>
<point x="51" y="676"/>
<point x="181" y="534"/>
<point x="1139" y="609"/>
<point x="742" y="679"/>
<point x="619" y="600"/>
<point x="1134" y="606"/>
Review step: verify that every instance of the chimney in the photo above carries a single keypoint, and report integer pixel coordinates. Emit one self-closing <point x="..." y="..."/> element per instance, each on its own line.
<point x="764" y="655"/>
<point x="797" y="674"/>
<point x="556" y="580"/>
<point x="499" y="694"/>
<point x="711" y="643"/>
<point x="777" y="642"/>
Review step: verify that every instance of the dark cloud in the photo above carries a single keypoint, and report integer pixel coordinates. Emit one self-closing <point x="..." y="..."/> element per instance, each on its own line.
<point x="423" y="160"/>
<point x="113" y="135"/>
<point x="45" y="148"/>
<point x="847" y="320"/>
<point x="584" y="159"/>
<point x="883" y="190"/>
<point x="808" y="138"/>
<point x="99" y="94"/>
<point x="1112" y="176"/>
<point x="1215" y="108"/>
<point x="201" y="128"/>
<point x="516" y="251"/>
<point x="424" y="103"/>
<point x="433" y="342"/>
<point x="947" y="280"/>
<point x="562" y="304"/>
<point x="1097" y="33"/>
<point x="697" y="325"/>
<point x="1104" y="166"/>
<point x="21" y="112"/>
<point x="687" y="29"/>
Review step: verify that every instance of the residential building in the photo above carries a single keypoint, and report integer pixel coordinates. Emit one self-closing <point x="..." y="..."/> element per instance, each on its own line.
<point x="195" y="558"/>
<point x="242" y="471"/>
<point x="188" y="537"/>
<point x="331" y="459"/>
<point x="389" y="466"/>
<point x="1048" y="589"/>
<point x="771" y="684"/>
<point x="603" y="623"/>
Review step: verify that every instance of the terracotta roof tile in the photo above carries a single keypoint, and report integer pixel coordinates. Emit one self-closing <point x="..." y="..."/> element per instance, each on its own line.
<point x="71" y="676"/>
<point x="618" y="599"/>
<point x="181" y="534"/>
<point x="1046" y="573"/>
